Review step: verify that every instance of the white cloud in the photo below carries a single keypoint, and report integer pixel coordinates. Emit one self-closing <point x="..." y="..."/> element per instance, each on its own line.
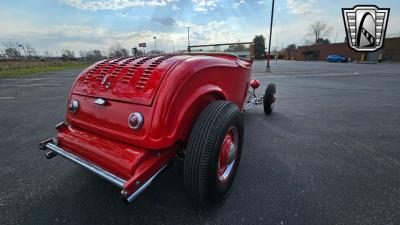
<point x="237" y="4"/>
<point x="123" y="15"/>
<point x="115" y="4"/>
<point x="83" y="37"/>
<point x="175" y="7"/>
<point x="301" y="7"/>
<point x="204" y="6"/>
<point x="212" y="32"/>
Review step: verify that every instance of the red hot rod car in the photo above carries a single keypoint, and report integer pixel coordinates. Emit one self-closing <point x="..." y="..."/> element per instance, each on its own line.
<point x="129" y="118"/>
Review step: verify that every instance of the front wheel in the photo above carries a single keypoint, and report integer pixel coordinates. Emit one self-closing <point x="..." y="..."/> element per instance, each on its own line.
<point x="213" y="152"/>
<point x="269" y="99"/>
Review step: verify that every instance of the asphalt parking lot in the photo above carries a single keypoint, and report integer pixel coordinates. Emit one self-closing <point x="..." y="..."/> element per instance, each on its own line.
<point x="329" y="154"/>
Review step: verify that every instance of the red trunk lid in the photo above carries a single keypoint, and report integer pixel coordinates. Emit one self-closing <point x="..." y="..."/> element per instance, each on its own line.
<point x="133" y="79"/>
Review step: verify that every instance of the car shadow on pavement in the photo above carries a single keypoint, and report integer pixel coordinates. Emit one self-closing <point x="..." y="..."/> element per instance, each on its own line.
<point x="265" y="191"/>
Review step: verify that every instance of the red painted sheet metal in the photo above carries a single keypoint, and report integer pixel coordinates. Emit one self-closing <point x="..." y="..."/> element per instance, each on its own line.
<point x="117" y="158"/>
<point x="110" y="120"/>
<point x="132" y="79"/>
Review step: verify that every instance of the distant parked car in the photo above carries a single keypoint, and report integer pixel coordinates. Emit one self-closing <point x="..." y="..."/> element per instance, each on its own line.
<point x="336" y="58"/>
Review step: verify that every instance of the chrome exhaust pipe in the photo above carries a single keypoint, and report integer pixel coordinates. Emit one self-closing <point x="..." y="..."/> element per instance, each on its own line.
<point x="50" y="154"/>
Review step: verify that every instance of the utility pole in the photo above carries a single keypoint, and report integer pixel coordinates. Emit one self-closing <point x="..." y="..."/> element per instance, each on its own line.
<point x="173" y="46"/>
<point x="155" y="43"/>
<point x="276" y="50"/>
<point x="23" y="48"/>
<point x="270" y="36"/>
<point x="188" y="37"/>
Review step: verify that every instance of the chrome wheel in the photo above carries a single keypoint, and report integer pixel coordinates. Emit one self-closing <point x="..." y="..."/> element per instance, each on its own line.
<point x="227" y="155"/>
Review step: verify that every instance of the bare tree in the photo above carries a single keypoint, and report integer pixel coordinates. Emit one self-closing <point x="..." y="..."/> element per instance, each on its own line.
<point x="30" y="51"/>
<point x="276" y="52"/>
<point x="319" y="30"/>
<point x="47" y="53"/>
<point x="96" y="54"/>
<point x="11" y="49"/>
<point x="155" y="52"/>
<point x="91" y="55"/>
<point x="12" y="53"/>
<point x="68" y="55"/>
<point x="82" y="54"/>
<point x="117" y="51"/>
<point x="275" y="49"/>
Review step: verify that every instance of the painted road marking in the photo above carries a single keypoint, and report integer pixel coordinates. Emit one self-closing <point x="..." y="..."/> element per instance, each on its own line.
<point x="36" y="79"/>
<point x="318" y="75"/>
<point x="6" y="98"/>
<point x="29" y="85"/>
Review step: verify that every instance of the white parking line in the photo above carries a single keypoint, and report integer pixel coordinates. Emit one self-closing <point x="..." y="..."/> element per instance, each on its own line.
<point x="36" y="79"/>
<point x="6" y="98"/>
<point x="308" y="75"/>
<point x="29" y="85"/>
<point x="321" y="75"/>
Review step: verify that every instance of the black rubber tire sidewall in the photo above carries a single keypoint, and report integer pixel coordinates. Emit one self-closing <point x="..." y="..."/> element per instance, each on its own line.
<point x="201" y="160"/>
<point x="268" y="100"/>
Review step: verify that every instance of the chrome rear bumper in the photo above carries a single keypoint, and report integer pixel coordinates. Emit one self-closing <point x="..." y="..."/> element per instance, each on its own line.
<point x="54" y="150"/>
<point x="91" y="167"/>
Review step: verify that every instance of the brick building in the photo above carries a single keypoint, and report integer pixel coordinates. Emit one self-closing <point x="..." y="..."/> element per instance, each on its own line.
<point x="390" y="51"/>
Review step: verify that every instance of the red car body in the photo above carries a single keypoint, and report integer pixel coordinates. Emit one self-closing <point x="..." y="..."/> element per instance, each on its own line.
<point x="170" y="91"/>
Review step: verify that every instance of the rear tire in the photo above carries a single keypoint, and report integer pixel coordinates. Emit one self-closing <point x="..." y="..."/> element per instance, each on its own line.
<point x="213" y="153"/>
<point x="269" y="99"/>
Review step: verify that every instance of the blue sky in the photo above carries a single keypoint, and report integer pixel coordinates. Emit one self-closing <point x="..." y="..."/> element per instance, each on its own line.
<point x="97" y="24"/>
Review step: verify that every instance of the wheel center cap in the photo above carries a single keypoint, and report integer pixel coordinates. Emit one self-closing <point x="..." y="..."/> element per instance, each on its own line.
<point x="231" y="154"/>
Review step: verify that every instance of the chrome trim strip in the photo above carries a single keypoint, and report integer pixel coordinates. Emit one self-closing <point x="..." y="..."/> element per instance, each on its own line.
<point x="135" y="194"/>
<point x="93" y="168"/>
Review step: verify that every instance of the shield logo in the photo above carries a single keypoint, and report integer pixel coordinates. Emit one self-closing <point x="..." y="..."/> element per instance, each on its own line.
<point x="365" y="27"/>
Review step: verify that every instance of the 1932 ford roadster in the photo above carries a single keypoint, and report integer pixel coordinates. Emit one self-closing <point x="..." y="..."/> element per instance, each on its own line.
<point x="129" y="118"/>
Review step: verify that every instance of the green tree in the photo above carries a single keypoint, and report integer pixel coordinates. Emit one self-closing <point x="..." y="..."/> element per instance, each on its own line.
<point x="259" y="46"/>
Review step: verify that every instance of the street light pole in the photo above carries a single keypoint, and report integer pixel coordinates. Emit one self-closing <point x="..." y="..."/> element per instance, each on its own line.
<point x="155" y="43"/>
<point x="270" y="35"/>
<point x="188" y="37"/>
<point x="23" y="48"/>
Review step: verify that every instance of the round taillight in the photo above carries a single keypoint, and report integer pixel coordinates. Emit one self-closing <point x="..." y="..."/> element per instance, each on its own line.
<point x="135" y="120"/>
<point x="255" y="84"/>
<point x="73" y="106"/>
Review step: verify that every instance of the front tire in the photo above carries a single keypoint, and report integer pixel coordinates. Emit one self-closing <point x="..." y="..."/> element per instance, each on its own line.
<point x="269" y="99"/>
<point x="213" y="152"/>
